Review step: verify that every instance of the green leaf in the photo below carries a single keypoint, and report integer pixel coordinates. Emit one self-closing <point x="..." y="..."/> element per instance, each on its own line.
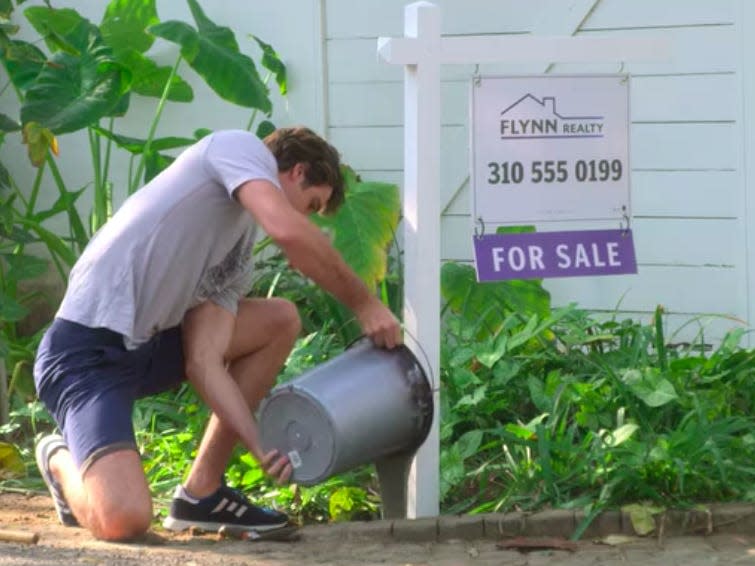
<point x="520" y="431"/>
<point x="461" y="356"/>
<point x="124" y="29"/>
<point x="488" y="304"/>
<point x="345" y="501"/>
<point x="11" y="462"/>
<point x="155" y="163"/>
<point x="264" y="129"/>
<point x="8" y="124"/>
<point x="62" y="29"/>
<point x="469" y="443"/>
<point x="136" y="145"/>
<point x="474" y="399"/>
<point x="650" y="386"/>
<point x="4" y="177"/>
<point x="125" y="23"/>
<point x="24" y="62"/>
<point x="10" y="310"/>
<point x="451" y="469"/>
<point x="74" y="92"/>
<point x="65" y="201"/>
<point x="272" y="62"/>
<point x="213" y="53"/>
<point x="539" y="397"/>
<point x="364" y="226"/>
<point x="23" y="267"/>
<point x="7" y="28"/>
<point x="53" y="242"/>
<point x="620" y="435"/>
<point x="149" y="79"/>
<point x="6" y="8"/>
<point x="490" y="351"/>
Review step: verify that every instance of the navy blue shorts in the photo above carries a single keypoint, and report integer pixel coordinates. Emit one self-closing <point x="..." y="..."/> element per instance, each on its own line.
<point x="89" y="381"/>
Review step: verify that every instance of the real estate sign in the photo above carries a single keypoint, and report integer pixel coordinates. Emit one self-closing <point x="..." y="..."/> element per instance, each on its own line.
<point x="549" y="148"/>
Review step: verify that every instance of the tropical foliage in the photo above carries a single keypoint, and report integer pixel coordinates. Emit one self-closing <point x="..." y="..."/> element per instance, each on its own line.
<point x="541" y="407"/>
<point x="83" y="81"/>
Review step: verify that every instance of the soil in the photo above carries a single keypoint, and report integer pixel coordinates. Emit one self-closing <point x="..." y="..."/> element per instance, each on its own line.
<point x="33" y="513"/>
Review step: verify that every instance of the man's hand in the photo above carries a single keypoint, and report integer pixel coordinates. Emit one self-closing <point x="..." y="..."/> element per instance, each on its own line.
<point x="277" y="466"/>
<point x="379" y="324"/>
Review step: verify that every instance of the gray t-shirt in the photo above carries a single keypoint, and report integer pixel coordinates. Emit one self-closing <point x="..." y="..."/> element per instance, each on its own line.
<point x="180" y="240"/>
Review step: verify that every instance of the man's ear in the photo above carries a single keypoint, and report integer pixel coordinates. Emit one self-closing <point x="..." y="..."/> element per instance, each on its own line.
<point x="298" y="171"/>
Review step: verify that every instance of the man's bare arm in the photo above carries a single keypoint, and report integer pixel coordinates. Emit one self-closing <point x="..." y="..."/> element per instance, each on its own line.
<point x="310" y="251"/>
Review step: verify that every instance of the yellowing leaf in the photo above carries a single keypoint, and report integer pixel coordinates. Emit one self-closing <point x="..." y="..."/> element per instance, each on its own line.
<point x="38" y="140"/>
<point x="642" y="517"/>
<point x="11" y="463"/>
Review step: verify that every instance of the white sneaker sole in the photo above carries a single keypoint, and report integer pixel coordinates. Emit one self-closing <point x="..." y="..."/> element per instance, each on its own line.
<point x="173" y="524"/>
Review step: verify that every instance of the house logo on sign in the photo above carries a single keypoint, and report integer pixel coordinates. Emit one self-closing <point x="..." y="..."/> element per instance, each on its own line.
<point x="537" y="118"/>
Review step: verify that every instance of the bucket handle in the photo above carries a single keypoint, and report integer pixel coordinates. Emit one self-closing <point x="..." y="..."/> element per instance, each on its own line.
<point x="434" y="386"/>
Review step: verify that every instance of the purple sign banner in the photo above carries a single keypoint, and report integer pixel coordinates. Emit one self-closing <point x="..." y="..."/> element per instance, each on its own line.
<point x="541" y="255"/>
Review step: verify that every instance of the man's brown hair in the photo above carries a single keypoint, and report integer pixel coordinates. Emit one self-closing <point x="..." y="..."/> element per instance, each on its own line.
<point x="321" y="160"/>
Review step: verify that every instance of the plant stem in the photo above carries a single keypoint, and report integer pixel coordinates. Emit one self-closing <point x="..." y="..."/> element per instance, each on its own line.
<point x="34" y="191"/>
<point x="106" y="172"/>
<point x="77" y="232"/>
<point x="153" y="127"/>
<point x="94" y="147"/>
<point x="253" y="117"/>
<point x="251" y="120"/>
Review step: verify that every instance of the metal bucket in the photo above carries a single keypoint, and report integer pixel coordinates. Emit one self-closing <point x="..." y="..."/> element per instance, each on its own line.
<point x="358" y="407"/>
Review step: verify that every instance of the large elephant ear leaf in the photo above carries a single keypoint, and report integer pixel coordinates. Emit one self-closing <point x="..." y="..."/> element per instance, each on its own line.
<point x="124" y="25"/>
<point x="212" y="51"/>
<point x="124" y="30"/>
<point x="73" y="92"/>
<point x="365" y="225"/>
<point x="63" y="29"/>
<point x="487" y="304"/>
<point x="272" y="62"/>
<point x="6" y="9"/>
<point x="149" y="79"/>
<point x="7" y="27"/>
<point x="24" y="61"/>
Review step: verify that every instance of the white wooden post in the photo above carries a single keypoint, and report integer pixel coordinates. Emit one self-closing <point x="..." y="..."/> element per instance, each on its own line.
<point x="422" y="233"/>
<point x="422" y="51"/>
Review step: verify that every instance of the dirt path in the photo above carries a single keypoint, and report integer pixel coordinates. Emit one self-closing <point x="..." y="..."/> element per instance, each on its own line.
<point x="324" y="545"/>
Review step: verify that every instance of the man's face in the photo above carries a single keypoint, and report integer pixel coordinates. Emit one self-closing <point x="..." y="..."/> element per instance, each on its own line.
<point x="313" y="198"/>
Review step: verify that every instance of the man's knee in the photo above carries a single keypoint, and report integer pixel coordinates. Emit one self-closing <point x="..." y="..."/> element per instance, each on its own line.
<point x="121" y="522"/>
<point x="287" y="319"/>
<point x="119" y="502"/>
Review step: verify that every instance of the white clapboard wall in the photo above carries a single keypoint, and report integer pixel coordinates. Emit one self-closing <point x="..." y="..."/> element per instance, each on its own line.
<point x="693" y="120"/>
<point x="687" y="138"/>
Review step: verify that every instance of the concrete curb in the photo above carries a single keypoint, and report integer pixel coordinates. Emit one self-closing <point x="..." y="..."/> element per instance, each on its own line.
<point x="733" y="518"/>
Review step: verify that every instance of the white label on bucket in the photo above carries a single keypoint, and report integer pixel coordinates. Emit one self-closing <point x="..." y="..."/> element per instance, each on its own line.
<point x="295" y="459"/>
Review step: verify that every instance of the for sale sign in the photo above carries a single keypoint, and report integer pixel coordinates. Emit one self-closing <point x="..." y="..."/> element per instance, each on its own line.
<point x="540" y="255"/>
<point x="549" y="148"/>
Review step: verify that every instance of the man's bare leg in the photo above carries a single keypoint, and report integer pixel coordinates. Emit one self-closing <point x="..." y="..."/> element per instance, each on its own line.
<point x="264" y="334"/>
<point x="112" y="499"/>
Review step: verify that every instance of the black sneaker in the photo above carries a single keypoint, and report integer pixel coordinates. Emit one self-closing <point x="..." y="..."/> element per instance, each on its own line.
<point x="226" y="506"/>
<point x="45" y="448"/>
